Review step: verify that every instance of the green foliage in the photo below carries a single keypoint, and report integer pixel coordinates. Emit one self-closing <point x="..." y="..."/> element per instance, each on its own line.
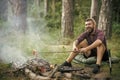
<point x="116" y="28"/>
<point x="78" y="25"/>
<point x="54" y="18"/>
<point x="81" y="12"/>
<point x="113" y="44"/>
<point x="53" y="22"/>
<point x="34" y="10"/>
<point x="3" y="24"/>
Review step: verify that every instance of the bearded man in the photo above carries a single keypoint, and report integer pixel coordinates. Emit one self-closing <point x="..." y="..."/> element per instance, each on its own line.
<point x="90" y="43"/>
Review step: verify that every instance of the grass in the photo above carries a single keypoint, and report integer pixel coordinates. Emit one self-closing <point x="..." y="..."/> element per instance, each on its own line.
<point x="59" y="53"/>
<point x="113" y="45"/>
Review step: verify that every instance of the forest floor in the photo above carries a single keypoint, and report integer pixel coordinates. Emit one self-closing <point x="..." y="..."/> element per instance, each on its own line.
<point x="59" y="58"/>
<point x="104" y="73"/>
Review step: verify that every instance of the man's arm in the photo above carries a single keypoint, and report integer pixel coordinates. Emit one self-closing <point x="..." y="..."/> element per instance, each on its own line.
<point x="100" y="39"/>
<point x="75" y="43"/>
<point x="75" y="46"/>
<point x="78" y="41"/>
<point x="94" y="44"/>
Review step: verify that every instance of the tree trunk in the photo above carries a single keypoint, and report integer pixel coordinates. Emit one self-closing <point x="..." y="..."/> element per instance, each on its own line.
<point x="19" y="12"/>
<point x="94" y="10"/>
<point x="67" y="19"/>
<point x="53" y="7"/>
<point x="105" y="18"/>
<point x="38" y="12"/>
<point x="45" y="7"/>
<point x="37" y="2"/>
<point x="3" y="10"/>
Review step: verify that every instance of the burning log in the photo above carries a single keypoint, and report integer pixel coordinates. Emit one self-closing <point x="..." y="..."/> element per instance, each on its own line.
<point x="38" y="65"/>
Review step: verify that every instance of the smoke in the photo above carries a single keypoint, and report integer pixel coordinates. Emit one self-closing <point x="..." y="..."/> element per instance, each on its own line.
<point x="17" y="47"/>
<point x="12" y="54"/>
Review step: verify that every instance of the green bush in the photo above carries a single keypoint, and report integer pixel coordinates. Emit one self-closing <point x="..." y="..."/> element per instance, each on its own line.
<point x="116" y="28"/>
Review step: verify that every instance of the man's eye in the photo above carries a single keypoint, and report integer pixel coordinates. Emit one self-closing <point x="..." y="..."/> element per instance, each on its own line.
<point x="89" y="24"/>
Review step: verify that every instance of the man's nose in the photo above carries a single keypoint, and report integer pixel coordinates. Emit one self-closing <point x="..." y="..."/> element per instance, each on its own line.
<point x="86" y="26"/>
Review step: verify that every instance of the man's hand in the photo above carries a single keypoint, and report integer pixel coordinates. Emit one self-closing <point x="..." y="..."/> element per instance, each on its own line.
<point x="76" y="50"/>
<point x="83" y="50"/>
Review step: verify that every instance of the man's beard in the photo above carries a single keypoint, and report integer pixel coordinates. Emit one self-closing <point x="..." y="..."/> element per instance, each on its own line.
<point x="90" y="30"/>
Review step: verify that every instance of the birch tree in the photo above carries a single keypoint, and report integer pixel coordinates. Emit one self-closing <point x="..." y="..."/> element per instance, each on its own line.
<point x="45" y="7"/>
<point x="105" y="18"/>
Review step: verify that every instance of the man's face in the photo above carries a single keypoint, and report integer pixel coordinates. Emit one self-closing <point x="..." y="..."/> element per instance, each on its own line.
<point x="89" y="26"/>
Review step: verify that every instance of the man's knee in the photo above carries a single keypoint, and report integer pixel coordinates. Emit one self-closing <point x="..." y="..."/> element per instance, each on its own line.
<point x="101" y="47"/>
<point x="82" y="44"/>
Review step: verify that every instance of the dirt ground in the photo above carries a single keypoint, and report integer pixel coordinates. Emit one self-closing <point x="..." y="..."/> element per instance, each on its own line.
<point x="104" y="73"/>
<point x="86" y="74"/>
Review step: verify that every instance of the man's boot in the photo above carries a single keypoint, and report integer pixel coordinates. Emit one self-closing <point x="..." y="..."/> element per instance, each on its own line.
<point x="67" y="64"/>
<point x="96" y="68"/>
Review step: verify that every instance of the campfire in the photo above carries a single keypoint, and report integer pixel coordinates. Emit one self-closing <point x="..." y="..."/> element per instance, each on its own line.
<point x="40" y="69"/>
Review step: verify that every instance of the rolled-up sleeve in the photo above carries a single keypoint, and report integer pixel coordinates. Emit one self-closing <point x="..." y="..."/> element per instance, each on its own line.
<point x="101" y="36"/>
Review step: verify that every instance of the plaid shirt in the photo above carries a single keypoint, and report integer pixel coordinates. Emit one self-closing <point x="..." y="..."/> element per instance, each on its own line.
<point x="97" y="34"/>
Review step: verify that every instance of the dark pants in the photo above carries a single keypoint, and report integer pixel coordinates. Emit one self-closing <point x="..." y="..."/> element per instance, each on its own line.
<point x="94" y="53"/>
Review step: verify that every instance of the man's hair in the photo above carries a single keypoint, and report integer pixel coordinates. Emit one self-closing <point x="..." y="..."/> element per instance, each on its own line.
<point x="91" y="19"/>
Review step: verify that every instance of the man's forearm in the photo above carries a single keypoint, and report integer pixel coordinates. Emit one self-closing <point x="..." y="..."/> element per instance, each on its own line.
<point x="94" y="45"/>
<point x="75" y="43"/>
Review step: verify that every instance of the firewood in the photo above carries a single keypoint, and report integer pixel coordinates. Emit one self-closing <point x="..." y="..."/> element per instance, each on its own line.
<point x="34" y="76"/>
